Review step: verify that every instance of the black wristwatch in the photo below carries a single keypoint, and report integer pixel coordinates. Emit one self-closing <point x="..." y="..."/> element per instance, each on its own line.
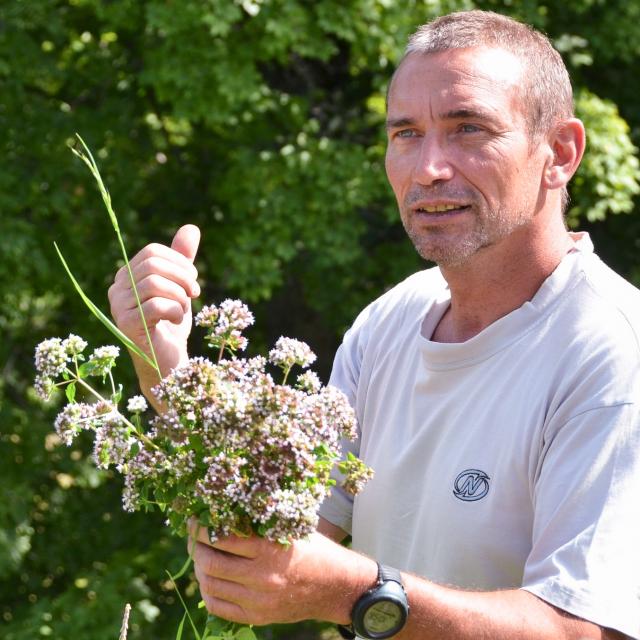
<point x="380" y="612"/>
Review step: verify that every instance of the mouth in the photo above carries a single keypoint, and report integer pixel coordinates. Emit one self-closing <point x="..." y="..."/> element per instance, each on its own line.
<point x="441" y="210"/>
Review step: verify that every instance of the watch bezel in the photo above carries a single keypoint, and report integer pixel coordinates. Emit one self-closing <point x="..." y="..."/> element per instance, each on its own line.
<point x="388" y="591"/>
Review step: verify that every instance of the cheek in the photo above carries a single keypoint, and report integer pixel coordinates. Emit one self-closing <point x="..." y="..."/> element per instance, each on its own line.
<point x="493" y="178"/>
<point x="398" y="170"/>
<point x="390" y="168"/>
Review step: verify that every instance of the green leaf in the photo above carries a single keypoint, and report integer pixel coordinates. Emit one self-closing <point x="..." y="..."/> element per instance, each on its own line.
<point x="245" y="633"/>
<point x="184" y="568"/>
<point x="103" y="318"/>
<point x="184" y="606"/>
<point x="86" y="369"/>
<point x="321" y="450"/>
<point x="215" y="625"/>
<point x="117" y="396"/>
<point x="70" y="391"/>
<point x="106" y="198"/>
<point x="181" y="627"/>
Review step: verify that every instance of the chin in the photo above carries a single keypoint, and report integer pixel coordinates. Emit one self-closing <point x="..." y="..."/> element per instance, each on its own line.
<point x="450" y="254"/>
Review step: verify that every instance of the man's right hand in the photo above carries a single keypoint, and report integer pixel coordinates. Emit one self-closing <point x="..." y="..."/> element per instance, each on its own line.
<point x="166" y="281"/>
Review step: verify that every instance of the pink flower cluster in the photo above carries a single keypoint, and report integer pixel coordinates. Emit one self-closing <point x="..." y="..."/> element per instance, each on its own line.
<point x="261" y="452"/>
<point x="225" y="324"/>
<point x="235" y="449"/>
<point x="54" y="356"/>
<point x="289" y="352"/>
<point x="113" y="436"/>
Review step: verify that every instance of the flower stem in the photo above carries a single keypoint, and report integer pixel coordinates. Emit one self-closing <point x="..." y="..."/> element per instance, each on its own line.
<point x="113" y="385"/>
<point x="130" y="424"/>
<point x="88" y="387"/>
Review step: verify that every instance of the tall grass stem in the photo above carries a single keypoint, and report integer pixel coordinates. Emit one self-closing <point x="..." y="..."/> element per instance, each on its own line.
<point x="86" y="156"/>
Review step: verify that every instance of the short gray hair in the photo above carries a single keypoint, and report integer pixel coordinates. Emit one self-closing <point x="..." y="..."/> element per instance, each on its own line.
<point x="546" y="89"/>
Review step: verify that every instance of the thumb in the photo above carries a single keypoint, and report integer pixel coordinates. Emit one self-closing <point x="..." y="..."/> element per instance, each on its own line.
<point x="186" y="241"/>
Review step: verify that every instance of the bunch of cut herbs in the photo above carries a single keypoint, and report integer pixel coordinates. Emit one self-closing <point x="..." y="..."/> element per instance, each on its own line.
<point x="235" y="449"/>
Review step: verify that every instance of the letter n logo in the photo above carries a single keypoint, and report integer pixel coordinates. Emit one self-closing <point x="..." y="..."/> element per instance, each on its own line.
<point x="471" y="485"/>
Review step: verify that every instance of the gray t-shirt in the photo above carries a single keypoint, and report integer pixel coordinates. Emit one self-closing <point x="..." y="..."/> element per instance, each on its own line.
<point x="512" y="459"/>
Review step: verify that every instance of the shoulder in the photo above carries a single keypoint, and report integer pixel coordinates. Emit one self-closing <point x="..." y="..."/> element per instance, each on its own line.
<point x="612" y="289"/>
<point x="405" y="300"/>
<point x="596" y="338"/>
<point x="384" y="323"/>
<point x="610" y="306"/>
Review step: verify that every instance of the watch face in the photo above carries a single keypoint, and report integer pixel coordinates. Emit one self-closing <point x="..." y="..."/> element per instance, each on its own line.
<point x="382" y="616"/>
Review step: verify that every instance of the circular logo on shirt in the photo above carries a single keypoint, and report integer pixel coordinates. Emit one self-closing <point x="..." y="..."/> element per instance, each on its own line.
<point x="471" y="485"/>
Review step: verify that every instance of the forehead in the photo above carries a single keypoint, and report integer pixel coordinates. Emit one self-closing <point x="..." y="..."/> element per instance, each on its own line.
<point x="474" y="78"/>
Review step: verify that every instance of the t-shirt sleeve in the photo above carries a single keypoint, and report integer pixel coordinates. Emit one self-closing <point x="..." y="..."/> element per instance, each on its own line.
<point x="337" y="508"/>
<point x="585" y="556"/>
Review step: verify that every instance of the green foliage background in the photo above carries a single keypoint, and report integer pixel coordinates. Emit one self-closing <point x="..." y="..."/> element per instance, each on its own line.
<point x="259" y="120"/>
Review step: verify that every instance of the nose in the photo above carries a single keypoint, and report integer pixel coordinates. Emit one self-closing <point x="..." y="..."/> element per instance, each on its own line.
<point x="432" y="164"/>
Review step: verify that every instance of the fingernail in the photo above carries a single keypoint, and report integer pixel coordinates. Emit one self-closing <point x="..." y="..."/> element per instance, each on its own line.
<point x="195" y="290"/>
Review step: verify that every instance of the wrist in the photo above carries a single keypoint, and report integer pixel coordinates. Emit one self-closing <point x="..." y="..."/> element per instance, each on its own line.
<point x="355" y="574"/>
<point x="148" y="378"/>
<point x="382" y="610"/>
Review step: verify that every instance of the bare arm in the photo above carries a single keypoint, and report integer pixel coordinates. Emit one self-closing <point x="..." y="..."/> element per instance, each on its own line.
<point x="331" y="531"/>
<point x="255" y="581"/>
<point x="444" y="613"/>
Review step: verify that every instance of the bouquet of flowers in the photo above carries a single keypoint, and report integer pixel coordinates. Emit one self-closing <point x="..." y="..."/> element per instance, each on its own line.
<point x="234" y="449"/>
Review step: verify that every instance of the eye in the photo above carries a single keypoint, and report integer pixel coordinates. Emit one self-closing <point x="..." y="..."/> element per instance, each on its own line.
<point x="469" y="128"/>
<point x="405" y="133"/>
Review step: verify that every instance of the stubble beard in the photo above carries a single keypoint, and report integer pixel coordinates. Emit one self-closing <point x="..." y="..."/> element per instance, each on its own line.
<point x="449" y="247"/>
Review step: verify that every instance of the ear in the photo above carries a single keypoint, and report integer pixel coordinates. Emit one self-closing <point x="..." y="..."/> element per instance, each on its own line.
<point x="567" y="142"/>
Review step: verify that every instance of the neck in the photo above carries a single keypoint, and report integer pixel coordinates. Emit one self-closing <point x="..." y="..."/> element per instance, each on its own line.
<point x="499" y="279"/>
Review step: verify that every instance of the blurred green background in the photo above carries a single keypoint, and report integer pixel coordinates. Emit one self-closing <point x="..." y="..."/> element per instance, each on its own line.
<point x="260" y="121"/>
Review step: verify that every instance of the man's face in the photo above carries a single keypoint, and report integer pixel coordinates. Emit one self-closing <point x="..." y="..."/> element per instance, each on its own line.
<point x="459" y="158"/>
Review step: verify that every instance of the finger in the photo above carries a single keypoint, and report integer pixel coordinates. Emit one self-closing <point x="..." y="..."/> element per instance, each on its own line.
<point x="243" y="546"/>
<point x="226" y="610"/>
<point x="155" y="286"/>
<point x="156" y="265"/>
<point x="154" y="310"/>
<point x="226" y="590"/>
<point x="121" y="301"/>
<point x="162" y="251"/>
<point x="252" y="604"/>
<point x="198" y="532"/>
<point x="156" y="294"/>
<point x="219" y="564"/>
<point x="186" y="241"/>
<point x="246" y="547"/>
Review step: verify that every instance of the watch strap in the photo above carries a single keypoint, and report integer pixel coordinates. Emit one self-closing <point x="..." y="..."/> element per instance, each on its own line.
<point x="385" y="574"/>
<point x="346" y="632"/>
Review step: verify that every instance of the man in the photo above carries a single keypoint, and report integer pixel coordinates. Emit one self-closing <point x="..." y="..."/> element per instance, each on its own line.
<point x="497" y="394"/>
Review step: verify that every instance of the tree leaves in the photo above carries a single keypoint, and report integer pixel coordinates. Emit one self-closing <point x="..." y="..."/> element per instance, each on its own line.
<point x="263" y="127"/>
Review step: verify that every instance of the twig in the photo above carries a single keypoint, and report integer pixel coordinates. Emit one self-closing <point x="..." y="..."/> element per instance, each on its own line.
<point x="125" y="622"/>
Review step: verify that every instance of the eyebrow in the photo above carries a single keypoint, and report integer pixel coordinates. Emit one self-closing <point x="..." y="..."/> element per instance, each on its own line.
<point x="461" y="114"/>
<point x="454" y="114"/>
<point x="395" y="123"/>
